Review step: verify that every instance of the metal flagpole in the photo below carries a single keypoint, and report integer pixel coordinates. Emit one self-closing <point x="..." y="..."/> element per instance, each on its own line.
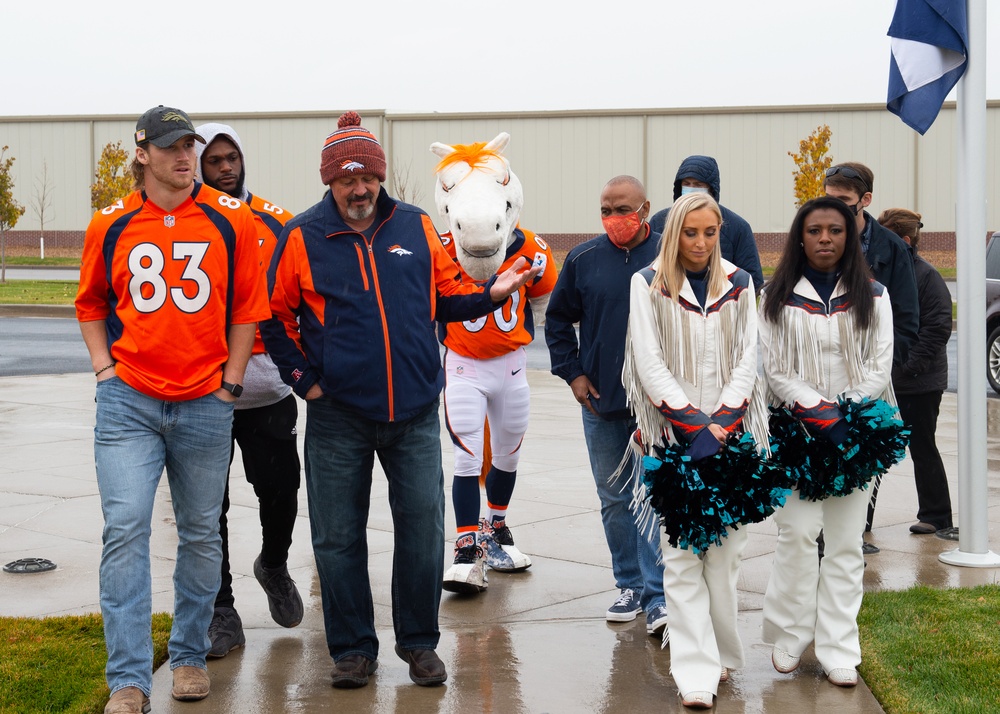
<point x="970" y="224"/>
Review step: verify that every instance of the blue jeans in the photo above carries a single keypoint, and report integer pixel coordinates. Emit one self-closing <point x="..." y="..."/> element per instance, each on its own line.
<point x="136" y="436"/>
<point x="633" y="558"/>
<point x="340" y="449"/>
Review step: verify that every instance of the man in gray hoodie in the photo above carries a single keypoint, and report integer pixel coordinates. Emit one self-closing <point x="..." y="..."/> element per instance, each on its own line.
<point x="737" y="243"/>
<point x="263" y="423"/>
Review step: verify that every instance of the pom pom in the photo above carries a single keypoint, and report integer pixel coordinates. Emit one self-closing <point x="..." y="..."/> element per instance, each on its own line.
<point x="876" y="440"/>
<point x="697" y="502"/>
<point x="349" y="119"/>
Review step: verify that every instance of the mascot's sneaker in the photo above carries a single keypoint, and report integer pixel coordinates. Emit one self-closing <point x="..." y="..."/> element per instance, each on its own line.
<point x="501" y="553"/>
<point x="468" y="573"/>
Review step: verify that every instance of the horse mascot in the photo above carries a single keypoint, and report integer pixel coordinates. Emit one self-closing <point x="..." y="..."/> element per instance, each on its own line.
<point x="479" y="198"/>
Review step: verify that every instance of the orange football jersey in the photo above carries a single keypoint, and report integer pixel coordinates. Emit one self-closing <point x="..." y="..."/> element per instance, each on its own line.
<point x="168" y="285"/>
<point x="511" y="325"/>
<point x="274" y="218"/>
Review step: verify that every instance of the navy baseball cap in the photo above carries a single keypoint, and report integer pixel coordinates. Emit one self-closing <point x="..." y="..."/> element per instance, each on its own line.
<point x="162" y="126"/>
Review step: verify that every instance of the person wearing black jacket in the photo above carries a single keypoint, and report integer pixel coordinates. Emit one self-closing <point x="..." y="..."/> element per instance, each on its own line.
<point x="891" y="263"/>
<point x="736" y="241"/>
<point x="920" y="381"/>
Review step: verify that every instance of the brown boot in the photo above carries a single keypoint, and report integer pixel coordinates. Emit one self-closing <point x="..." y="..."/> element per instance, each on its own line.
<point x="128" y="700"/>
<point x="190" y="683"/>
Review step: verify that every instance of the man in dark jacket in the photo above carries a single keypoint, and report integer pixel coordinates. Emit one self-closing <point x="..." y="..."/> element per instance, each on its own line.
<point x="887" y="255"/>
<point x="920" y="381"/>
<point x="891" y="263"/>
<point x="737" y="243"/>
<point x="357" y="282"/>
<point x="593" y="290"/>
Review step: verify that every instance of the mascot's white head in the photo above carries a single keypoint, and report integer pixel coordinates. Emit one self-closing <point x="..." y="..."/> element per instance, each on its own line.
<point x="480" y="200"/>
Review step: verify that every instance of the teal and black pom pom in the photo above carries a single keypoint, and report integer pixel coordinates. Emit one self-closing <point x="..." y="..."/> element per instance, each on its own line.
<point x="698" y="501"/>
<point x="876" y="440"/>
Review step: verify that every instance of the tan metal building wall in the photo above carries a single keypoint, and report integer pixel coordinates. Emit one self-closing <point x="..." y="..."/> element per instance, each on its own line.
<point x="562" y="158"/>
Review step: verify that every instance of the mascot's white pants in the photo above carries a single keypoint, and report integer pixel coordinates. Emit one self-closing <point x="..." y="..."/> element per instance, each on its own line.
<point x="807" y="600"/>
<point x="478" y="388"/>
<point x="702" y="605"/>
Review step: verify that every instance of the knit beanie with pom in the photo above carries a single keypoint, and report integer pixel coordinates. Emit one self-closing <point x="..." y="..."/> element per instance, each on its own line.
<point x="352" y="150"/>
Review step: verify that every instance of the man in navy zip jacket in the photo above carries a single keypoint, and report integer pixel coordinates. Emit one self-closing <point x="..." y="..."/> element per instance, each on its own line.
<point x="357" y="282"/>
<point x="593" y="290"/>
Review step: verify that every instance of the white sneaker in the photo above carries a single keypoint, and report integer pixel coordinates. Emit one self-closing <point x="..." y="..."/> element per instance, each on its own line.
<point x="501" y="553"/>
<point x="698" y="700"/>
<point x="468" y="573"/>
<point x="784" y="662"/>
<point x="843" y="677"/>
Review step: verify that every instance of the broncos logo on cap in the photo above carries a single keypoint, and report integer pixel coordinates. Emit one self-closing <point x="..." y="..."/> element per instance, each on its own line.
<point x="173" y="116"/>
<point x="350" y="165"/>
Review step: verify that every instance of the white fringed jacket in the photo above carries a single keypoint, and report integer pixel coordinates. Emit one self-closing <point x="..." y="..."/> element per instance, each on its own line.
<point x="816" y="352"/>
<point x="687" y="366"/>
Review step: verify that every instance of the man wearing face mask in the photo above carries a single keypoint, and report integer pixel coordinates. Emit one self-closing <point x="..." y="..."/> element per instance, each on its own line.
<point x="593" y="290"/>
<point x="887" y="255"/>
<point x="891" y="263"/>
<point x="736" y="241"/>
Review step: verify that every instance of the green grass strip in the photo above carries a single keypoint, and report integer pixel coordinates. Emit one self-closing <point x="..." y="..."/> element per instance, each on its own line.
<point x="928" y="650"/>
<point x="38" y="292"/>
<point x="56" y="664"/>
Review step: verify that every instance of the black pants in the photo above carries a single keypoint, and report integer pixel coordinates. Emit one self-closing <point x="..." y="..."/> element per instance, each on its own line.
<point x="266" y="436"/>
<point x="920" y="414"/>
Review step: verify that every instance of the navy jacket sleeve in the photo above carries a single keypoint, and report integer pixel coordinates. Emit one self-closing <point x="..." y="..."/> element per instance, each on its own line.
<point x="744" y="249"/>
<point x="564" y="310"/>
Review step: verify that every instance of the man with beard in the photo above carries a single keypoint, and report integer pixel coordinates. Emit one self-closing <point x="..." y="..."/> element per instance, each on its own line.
<point x="263" y="423"/>
<point x="171" y="290"/>
<point x="357" y="282"/>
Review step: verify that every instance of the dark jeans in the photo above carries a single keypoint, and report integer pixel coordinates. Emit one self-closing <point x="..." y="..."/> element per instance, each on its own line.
<point x="267" y="439"/>
<point x="920" y="413"/>
<point x="340" y="451"/>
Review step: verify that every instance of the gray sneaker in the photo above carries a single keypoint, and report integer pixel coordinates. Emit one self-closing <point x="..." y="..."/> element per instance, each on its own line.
<point x="625" y="608"/>
<point x="282" y="597"/>
<point x="225" y="632"/>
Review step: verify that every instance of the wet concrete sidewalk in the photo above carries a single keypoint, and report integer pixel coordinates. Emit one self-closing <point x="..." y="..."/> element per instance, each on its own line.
<point x="534" y="642"/>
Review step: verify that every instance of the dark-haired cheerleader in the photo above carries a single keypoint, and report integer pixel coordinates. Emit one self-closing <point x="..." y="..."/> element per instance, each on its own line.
<point x="826" y="340"/>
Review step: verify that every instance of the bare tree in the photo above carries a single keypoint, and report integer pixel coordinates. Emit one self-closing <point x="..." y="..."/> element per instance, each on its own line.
<point x="405" y="188"/>
<point x="41" y="200"/>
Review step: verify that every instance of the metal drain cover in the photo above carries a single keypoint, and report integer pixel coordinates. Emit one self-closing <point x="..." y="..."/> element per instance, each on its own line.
<point x="29" y="565"/>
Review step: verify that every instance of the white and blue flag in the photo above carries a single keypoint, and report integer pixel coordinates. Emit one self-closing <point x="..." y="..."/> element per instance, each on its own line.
<point x="929" y="53"/>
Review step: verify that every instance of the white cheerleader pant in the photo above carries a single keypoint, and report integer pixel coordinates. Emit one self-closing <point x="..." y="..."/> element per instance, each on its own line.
<point x="479" y="388"/>
<point x="810" y="601"/>
<point x="702" y="606"/>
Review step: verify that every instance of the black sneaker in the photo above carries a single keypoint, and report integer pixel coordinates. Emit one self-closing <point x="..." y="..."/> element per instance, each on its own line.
<point x="948" y="533"/>
<point x="225" y="632"/>
<point x="282" y="596"/>
<point x="869" y="548"/>
<point x="467" y="575"/>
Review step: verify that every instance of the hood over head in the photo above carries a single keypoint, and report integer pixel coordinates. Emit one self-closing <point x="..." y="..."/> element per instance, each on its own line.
<point x="211" y="132"/>
<point x="700" y="168"/>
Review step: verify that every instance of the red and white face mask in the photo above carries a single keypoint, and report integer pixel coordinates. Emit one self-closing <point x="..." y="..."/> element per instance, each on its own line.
<point x="622" y="229"/>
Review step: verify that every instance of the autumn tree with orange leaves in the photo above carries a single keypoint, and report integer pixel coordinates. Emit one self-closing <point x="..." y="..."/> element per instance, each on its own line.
<point x="812" y="163"/>
<point x="112" y="180"/>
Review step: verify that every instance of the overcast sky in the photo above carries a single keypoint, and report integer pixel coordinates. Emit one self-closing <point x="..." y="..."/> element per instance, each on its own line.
<point x="115" y="57"/>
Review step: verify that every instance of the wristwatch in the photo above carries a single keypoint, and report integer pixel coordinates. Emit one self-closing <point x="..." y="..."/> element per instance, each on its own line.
<point x="234" y="389"/>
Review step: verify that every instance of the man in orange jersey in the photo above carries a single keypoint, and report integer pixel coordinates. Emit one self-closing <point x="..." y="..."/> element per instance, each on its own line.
<point x="357" y="282"/>
<point x="171" y="290"/>
<point x="263" y="423"/>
